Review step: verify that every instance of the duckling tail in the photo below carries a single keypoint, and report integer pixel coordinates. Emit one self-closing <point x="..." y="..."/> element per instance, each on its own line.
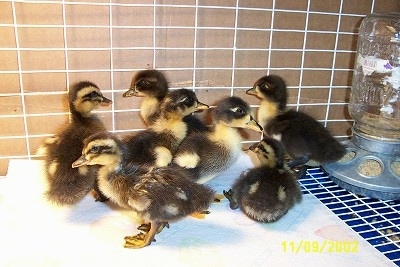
<point x="334" y="151"/>
<point x="60" y="198"/>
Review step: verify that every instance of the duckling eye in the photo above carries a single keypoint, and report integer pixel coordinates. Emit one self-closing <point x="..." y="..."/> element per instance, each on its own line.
<point x="183" y="99"/>
<point x="238" y="110"/>
<point x="92" y="95"/>
<point x="186" y="99"/>
<point x="263" y="149"/>
<point x="95" y="149"/>
<point x="143" y="82"/>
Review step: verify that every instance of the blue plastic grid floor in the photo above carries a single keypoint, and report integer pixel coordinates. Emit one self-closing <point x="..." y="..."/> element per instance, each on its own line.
<point x="377" y="221"/>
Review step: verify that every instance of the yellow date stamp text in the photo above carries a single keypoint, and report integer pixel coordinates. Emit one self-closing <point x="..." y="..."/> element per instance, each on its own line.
<point x="326" y="246"/>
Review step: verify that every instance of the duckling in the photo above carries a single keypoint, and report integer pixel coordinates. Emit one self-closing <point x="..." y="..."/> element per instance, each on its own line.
<point x="272" y="89"/>
<point x="303" y="137"/>
<point x="67" y="185"/>
<point x="209" y="153"/>
<point x="157" y="144"/>
<point x="153" y="86"/>
<point x="267" y="192"/>
<point x="158" y="195"/>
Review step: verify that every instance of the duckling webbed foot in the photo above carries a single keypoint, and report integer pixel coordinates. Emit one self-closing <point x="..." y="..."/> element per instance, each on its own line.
<point x="298" y="166"/>
<point x="200" y="214"/>
<point x="300" y="171"/>
<point x="144" y="239"/>
<point x="145" y="227"/>
<point x="137" y="241"/>
<point x="232" y="202"/>
<point x="218" y="198"/>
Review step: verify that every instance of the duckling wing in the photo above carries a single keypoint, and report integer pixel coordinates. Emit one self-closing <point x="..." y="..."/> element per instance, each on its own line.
<point x="303" y="136"/>
<point x="150" y="147"/>
<point x="320" y="143"/>
<point x="204" y="157"/>
<point x="173" y="196"/>
<point x="68" y="185"/>
<point x="188" y="153"/>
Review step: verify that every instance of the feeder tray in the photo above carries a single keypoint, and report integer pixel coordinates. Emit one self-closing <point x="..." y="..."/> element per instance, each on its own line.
<point x="370" y="168"/>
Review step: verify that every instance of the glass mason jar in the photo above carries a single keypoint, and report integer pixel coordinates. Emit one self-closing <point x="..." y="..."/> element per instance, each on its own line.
<point x="375" y="100"/>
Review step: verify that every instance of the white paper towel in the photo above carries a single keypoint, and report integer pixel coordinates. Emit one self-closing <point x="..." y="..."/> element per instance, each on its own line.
<point x="35" y="233"/>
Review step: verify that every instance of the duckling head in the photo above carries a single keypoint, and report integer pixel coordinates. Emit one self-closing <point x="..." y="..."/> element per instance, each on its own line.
<point x="148" y="83"/>
<point x="236" y="113"/>
<point x="270" y="152"/>
<point x="271" y="88"/>
<point x="101" y="149"/>
<point x="84" y="97"/>
<point x="182" y="102"/>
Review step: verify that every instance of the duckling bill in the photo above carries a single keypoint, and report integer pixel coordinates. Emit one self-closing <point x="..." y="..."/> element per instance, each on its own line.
<point x="158" y="195"/>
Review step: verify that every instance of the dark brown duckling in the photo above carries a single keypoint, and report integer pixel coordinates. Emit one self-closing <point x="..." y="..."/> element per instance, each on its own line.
<point x="208" y="154"/>
<point x="267" y="192"/>
<point x="153" y="86"/>
<point x="303" y="137"/>
<point x="67" y="185"/>
<point x="156" y="145"/>
<point x="158" y="195"/>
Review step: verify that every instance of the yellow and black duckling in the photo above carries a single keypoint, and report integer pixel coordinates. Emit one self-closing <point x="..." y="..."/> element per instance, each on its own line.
<point x="303" y="137"/>
<point x="153" y="86"/>
<point x="157" y="144"/>
<point x="272" y="89"/>
<point x="267" y="192"/>
<point x="67" y="185"/>
<point x="209" y="153"/>
<point x="158" y="195"/>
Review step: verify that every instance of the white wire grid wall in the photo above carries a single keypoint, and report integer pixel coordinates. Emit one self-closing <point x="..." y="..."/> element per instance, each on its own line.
<point x="217" y="48"/>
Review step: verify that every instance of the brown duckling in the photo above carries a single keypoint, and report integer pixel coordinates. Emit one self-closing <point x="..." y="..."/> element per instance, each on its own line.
<point x="209" y="153"/>
<point x="267" y="192"/>
<point x="158" y="195"/>
<point x="153" y="86"/>
<point x="303" y="137"/>
<point x="156" y="145"/>
<point x="67" y="185"/>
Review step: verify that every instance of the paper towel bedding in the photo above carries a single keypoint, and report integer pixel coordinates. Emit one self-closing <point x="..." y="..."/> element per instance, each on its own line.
<point x="36" y="233"/>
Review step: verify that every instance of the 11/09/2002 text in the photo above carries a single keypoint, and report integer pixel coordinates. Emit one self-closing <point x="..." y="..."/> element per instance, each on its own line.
<point x="308" y="246"/>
